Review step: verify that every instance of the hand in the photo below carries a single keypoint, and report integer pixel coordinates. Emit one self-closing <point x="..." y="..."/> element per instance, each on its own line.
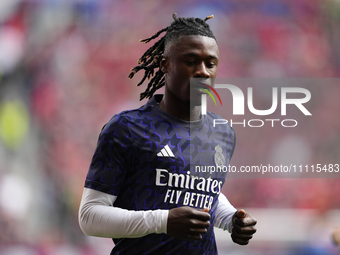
<point x="243" y="227"/>
<point x="188" y="223"/>
<point x="336" y="235"/>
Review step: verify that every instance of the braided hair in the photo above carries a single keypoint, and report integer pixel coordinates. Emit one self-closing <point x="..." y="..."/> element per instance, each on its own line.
<point x="150" y="60"/>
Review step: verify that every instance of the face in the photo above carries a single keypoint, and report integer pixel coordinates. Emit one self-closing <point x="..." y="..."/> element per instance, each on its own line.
<point x="192" y="56"/>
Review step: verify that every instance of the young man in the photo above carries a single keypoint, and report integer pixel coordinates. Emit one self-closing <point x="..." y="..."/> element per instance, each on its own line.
<point x="141" y="188"/>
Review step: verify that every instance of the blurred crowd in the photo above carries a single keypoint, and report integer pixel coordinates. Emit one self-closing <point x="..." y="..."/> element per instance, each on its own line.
<point x="64" y="69"/>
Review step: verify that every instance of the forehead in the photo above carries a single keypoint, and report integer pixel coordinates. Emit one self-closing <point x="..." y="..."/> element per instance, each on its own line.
<point x="190" y="43"/>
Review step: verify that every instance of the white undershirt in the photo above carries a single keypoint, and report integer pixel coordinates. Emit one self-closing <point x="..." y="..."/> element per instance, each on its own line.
<point x="98" y="217"/>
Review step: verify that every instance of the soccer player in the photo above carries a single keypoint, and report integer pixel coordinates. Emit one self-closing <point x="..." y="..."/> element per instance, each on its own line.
<point x="142" y="189"/>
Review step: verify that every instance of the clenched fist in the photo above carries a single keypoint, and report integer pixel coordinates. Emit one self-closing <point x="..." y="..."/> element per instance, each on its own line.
<point x="243" y="227"/>
<point x="188" y="223"/>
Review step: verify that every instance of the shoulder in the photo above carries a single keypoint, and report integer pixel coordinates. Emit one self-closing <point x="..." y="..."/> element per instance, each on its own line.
<point x="212" y="115"/>
<point x="129" y="118"/>
<point x="123" y="119"/>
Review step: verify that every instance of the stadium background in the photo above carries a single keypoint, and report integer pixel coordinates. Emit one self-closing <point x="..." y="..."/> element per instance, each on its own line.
<point x="63" y="74"/>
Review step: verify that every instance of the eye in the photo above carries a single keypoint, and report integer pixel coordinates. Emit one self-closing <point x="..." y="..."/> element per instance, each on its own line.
<point x="190" y="62"/>
<point x="211" y="64"/>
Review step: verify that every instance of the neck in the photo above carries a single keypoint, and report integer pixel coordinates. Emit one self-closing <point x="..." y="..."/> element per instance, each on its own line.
<point x="179" y="109"/>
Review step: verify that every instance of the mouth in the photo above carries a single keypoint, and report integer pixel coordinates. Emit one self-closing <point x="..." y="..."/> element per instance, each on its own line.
<point x="201" y="83"/>
<point x="201" y="86"/>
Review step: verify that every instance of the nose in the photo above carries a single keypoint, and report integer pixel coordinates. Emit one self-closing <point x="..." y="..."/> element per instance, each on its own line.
<point x="201" y="71"/>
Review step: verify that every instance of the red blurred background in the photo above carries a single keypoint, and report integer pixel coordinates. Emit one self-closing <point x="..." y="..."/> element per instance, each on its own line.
<point x="64" y="69"/>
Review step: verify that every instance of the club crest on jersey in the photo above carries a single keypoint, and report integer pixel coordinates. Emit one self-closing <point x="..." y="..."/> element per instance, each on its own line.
<point x="218" y="156"/>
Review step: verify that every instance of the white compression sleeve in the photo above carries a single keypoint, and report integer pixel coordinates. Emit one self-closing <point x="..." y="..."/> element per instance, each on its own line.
<point x="98" y="217"/>
<point x="224" y="213"/>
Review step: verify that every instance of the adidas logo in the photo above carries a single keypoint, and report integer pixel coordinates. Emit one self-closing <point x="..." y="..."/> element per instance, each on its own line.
<point x="166" y="152"/>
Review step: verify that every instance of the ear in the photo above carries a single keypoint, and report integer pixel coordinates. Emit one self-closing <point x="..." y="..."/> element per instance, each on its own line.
<point x="164" y="64"/>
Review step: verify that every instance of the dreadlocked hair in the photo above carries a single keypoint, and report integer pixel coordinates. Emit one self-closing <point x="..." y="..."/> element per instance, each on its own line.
<point x="150" y="60"/>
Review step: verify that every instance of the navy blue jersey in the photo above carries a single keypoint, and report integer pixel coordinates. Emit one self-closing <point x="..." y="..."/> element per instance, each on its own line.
<point x="151" y="160"/>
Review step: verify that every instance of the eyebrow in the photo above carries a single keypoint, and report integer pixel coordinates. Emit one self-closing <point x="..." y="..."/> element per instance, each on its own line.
<point x="192" y="54"/>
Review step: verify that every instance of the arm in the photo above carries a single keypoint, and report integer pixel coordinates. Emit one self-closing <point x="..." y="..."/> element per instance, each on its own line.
<point x="98" y="217"/>
<point x="224" y="213"/>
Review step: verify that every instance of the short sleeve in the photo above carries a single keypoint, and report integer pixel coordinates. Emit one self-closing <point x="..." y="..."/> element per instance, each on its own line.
<point x="112" y="158"/>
